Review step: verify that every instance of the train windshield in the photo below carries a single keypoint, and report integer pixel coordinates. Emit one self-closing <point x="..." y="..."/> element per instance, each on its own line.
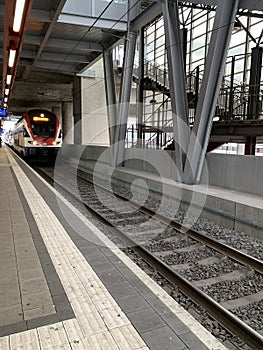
<point x="43" y="130"/>
<point x="43" y="123"/>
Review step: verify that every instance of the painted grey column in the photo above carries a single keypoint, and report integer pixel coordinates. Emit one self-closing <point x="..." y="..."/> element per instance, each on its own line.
<point x="176" y="73"/>
<point x="110" y="94"/>
<point x="124" y="102"/>
<point x="57" y="111"/>
<point x="214" y="69"/>
<point x="67" y="122"/>
<point x="77" y="110"/>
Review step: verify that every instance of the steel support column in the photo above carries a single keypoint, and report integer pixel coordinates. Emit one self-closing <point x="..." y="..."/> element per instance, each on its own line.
<point x="250" y="146"/>
<point x="254" y="107"/>
<point x="140" y="90"/>
<point x="124" y="102"/>
<point x="77" y="110"/>
<point x="214" y="68"/>
<point x="110" y="94"/>
<point x="177" y="82"/>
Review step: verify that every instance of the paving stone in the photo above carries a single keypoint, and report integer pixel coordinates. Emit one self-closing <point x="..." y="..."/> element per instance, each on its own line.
<point x="44" y="310"/>
<point x="192" y="341"/>
<point x="42" y="321"/>
<point x="65" y="314"/>
<point x="23" y="239"/>
<point x="13" y="328"/>
<point x="4" y="343"/>
<point x="8" y="273"/>
<point x="11" y="297"/>
<point x="31" y="274"/>
<point x="157" y="304"/>
<point x="5" y="226"/>
<point x="112" y="277"/>
<point x="61" y="302"/>
<point x="36" y="300"/>
<point x="175" y="323"/>
<point x="103" y="267"/>
<point x="27" y="263"/>
<point x="11" y="314"/>
<point x="127" y="338"/>
<point x="122" y="289"/>
<point x="52" y="336"/>
<point x="55" y="287"/>
<point x="33" y="285"/>
<point x="139" y="285"/>
<point x="25" y="341"/>
<point x="163" y="339"/>
<point x="146" y="320"/>
<point x="132" y="303"/>
<point x="6" y="241"/>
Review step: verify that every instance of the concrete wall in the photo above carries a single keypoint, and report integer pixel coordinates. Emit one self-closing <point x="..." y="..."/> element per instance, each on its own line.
<point x="94" y="108"/>
<point x="153" y="161"/>
<point x="237" y="172"/>
<point x="94" y="117"/>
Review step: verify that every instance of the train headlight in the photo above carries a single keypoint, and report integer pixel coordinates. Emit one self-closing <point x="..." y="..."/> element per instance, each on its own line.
<point x="34" y="143"/>
<point x="54" y="143"/>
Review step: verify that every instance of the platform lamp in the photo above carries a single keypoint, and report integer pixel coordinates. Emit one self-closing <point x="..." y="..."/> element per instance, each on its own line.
<point x="12" y="57"/>
<point x="18" y="12"/>
<point x="18" y="16"/>
<point x="8" y="79"/>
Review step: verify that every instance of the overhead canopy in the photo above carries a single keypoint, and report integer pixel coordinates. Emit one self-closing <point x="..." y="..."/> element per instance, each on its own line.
<point x="63" y="37"/>
<point x="59" y="43"/>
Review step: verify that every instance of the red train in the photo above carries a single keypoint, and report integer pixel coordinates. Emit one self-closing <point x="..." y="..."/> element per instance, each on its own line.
<point x="37" y="135"/>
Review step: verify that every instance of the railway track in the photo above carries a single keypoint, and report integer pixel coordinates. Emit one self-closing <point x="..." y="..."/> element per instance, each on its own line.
<point x="225" y="281"/>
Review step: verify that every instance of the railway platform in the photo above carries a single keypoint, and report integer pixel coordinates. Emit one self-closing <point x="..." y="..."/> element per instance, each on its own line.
<point x="64" y="285"/>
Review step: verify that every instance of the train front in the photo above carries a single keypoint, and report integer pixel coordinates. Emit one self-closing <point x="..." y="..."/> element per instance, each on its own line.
<point x="44" y="139"/>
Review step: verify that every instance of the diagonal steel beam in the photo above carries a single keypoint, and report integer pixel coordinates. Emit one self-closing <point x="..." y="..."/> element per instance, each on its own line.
<point x="214" y="69"/>
<point x="110" y="94"/>
<point x="124" y="102"/>
<point x="177" y="83"/>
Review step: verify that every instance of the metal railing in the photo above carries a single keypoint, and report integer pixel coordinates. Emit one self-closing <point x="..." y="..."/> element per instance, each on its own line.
<point x="236" y="102"/>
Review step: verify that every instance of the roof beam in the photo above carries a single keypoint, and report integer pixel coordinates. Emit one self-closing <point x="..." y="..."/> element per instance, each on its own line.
<point x="58" y="67"/>
<point x="61" y="43"/>
<point x="35" y="15"/>
<point x="57" y="57"/>
<point x="58" y="9"/>
<point x="74" y="44"/>
<point x="89" y="21"/>
<point x="40" y="15"/>
<point x="145" y="17"/>
<point x="244" y="4"/>
<point x="64" y="57"/>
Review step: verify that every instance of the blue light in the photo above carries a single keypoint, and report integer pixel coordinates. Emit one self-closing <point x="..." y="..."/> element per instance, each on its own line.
<point x="3" y="112"/>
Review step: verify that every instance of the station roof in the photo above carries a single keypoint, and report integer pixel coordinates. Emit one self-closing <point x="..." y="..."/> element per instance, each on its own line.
<point x="62" y="38"/>
<point x="57" y="45"/>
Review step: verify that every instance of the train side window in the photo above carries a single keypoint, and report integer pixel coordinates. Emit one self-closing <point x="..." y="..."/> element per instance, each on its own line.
<point x="25" y="133"/>
<point x="60" y="134"/>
